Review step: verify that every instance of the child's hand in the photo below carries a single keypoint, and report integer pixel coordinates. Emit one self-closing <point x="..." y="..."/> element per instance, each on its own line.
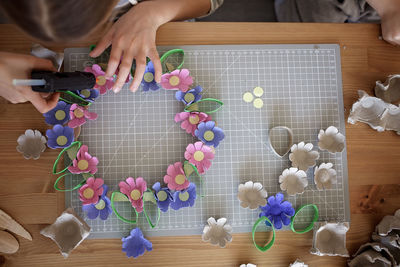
<point x="16" y="66"/>
<point x="132" y="37"/>
<point x="391" y="27"/>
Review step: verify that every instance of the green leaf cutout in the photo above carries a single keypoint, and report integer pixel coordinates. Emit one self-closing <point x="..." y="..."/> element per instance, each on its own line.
<point x="87" y="175"/>
<point x="68" y="162"/>
<point x="72" y="150"/>
<point x="206" y="105"/>
<point x="172" y="60"/>
<point x="119" y="197"/>
<point x="72" y="98"/>
<point x="149" y="196"/>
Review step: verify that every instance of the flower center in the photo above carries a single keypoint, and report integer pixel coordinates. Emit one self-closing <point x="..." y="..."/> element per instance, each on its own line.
<point x="101" y="205"/>
<point x="184" y="196"/>
<point x="189" y="97"/>
<point x="101" y="80"/>
<point x="85" y="93"/>
<point x="61" y="140"/>
<point x="83" y="164"/>
<point x="174" y="80"/>
<point x="60" y="115"/>
<point x="78" y="113"/>
<point x="198" y="155"/>
<point x="148" y="77"/>
<point x="135" y="194"/>
<point x="180" y="179"/>
<point x="162" y="196"/>
<point x="209" y="135"/>
<point x="88" y="193"/>
<point x="194" y="119"/>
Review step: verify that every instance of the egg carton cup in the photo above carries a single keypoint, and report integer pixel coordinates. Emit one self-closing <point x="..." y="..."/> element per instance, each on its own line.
<point x="372" y="254"/>
<point x="389" y="91"/>
<point x="329" y="238"/>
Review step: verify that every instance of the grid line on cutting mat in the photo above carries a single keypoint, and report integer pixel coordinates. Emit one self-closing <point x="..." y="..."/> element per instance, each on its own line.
<point x="135" y="134"/>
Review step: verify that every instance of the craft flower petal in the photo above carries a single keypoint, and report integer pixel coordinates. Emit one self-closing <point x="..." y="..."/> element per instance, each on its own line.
<point x="184" y="198"/>
<point x="324" y="176"/>
<point x="135" y="244"/>
<point x="84" y="162"/>
<point x="134" y="191"/>
<point x="199" y="155"/>
<point x="90" y="192"/>
<point x="79" y="115"/>
<point x="293" y="181"/>
<point x="177" y="80"/>
<point x="103" y="83"/>
<point x="88" y="94"/>
<point x="59" y="136"/>
<point x="102" y="208"/>
<point x="148" y="82"/>
<point x="302" y="156"/>
<point x="189" y="97"/>
<point x="217" y="232"/>
<point x="331" y="140"/>
<point x="190" y="120"/>
<point x="252" y="195"/>
<point x="163" y="197"/>
<point x="209" y="134"/>
<point x="176" y="178"/>
<point x="277" y="211"/>
<point x="58" y="115"/>
<point x="31" y="144"/>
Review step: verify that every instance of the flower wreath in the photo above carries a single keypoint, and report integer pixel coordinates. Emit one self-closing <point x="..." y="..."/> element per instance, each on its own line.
<point x="72" y="112"/>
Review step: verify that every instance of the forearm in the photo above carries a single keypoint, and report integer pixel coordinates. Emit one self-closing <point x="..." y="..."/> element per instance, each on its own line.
<point x="385" y="6"/>
<point x="163" y="11"/>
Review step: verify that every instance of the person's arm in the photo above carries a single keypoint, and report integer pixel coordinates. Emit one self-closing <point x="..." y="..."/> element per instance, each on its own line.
<point x="16" y="66"/>
<point x="389" y="11"/>
<point x="133" y="36"/>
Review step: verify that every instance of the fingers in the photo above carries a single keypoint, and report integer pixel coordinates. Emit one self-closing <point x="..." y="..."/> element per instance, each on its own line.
<point x="113" y="62"/>
<point x="157" y="65"/>
<point x="139" y="71"/>
<point x="123" y="72"/>
<point x="42" y="64"/>
<point x="41" y="104"/>
<point x="103" y="44"/>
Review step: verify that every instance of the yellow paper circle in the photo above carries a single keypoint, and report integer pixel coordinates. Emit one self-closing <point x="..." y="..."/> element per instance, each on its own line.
<point x="101" y="205"/>
<point x="101" y="80"/>
<point x="148" y="77"/>
<point x="135" y="194"/>
<point x="85" y="93"/>
<point x="184" y="196"/>
<point x="189" y="97"/>
<point x="180" y="179"/>
<point x="258" y="103"/>
<point x="162" y="196"/>
<point x="258" y="91"/>
<point x="248" y="97"/>
<point x="174" y="80"/>
<point x="61" y="140"/>
<point x="78" y="113"/>
<point x="194" y="119"/>
<point x="209" y="136"/>
<point x="60" y="115"/>
<point x="88" y="193"/>
<point x="83" y="164"/>
<point x="198" y="155"/>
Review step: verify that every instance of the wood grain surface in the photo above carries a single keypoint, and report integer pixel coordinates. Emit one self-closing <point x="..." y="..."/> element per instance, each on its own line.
<point x="373" y="158"/>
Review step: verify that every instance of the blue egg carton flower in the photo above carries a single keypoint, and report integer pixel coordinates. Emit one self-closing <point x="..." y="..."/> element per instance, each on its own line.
<point x="135" y="244"/>
<point x="102" y="208"/>
<point x="58" y="115"/>
<point x="189" y="97"/>
<point x="277" y="211"/>
<point x="184" y="198"/>
<point x="209" y="134"/>
<point x="88" y="94"/>
<point x="60" y="136"/>
<point x="148" y="81"/>
<point x="163" y="196"/>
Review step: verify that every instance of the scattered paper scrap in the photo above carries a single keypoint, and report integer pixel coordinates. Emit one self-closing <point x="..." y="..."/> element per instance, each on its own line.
<point x="31" y="144"/>
<point x="9" y="224"/>
<point x="389" y="91"/>
<point x="372" y="254"/>
<point x="8" y="243"/>
<point x="217" y="232"/>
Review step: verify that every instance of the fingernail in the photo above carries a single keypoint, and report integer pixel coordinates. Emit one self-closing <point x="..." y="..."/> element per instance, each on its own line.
<point x="116" y="89"/>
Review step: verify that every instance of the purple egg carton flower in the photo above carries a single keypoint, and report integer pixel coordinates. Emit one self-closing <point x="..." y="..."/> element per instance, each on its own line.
<point x="102" y="208"/>
<point x="88" y="94"/>
<point x="58" y="115"/>
<point x="277" y="211"/>
<point x="209" y="134"/>
<point x="148" y="82"/>
<point x="184" y="198"/>
<point x="189" y="97"/>
<point x="60" y="136"/>
<point x="163" y="197"/>
<point x="135" y="244"/>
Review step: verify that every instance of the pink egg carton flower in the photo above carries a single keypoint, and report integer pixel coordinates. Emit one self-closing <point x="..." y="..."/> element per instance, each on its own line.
<point x="199" y="155"/>
<point x="84" y="162"/>
<point x="190" y="120"/>
<point x="91" y="192"/>
<point x="103" y="83"/>
<point x="79" y="115"/>
<point x="176" y="178"/>
<point x="134" y="191"/>
<point x="177" y="80"/>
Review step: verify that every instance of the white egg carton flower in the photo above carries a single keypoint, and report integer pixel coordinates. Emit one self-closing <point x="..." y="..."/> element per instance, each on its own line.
<point x="217" y="232"/>
<point x="31" y="144"/>
<point x="248" y="265"/>
<point x="298" y="263"/>
<point x="324" y="176"/>
<point x="302" y="156"/>
<point x="293" y="181"/>
<point x="252" y="195"/>
<point x="331" y="140"/>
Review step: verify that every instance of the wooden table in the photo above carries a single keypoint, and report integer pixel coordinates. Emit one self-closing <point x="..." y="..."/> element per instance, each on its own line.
<point x="373" y="158"/>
